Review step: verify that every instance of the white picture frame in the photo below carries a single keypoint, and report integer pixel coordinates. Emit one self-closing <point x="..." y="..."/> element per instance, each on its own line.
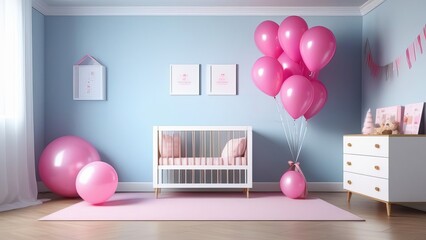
<point x="222" y="79"/>
<point x="89" y="79"/>
<point x="412" y="118"/>
<point x="185" y="79"/>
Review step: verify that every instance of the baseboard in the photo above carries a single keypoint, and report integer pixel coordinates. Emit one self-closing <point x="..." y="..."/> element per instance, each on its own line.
<point x="257" y="187"/>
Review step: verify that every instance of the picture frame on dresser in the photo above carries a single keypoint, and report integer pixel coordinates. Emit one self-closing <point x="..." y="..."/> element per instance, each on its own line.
<point x="412" y="118"/>
<point x="391" y="114"/>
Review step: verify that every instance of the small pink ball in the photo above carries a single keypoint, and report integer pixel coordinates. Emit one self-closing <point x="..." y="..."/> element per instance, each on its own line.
<point x="292" y="184"/>
<point x="96" y="182"/>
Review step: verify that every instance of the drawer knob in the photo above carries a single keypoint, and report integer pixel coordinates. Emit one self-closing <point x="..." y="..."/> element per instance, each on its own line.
<point x="377" y="167"/>
<point x="377" y="189"/>
<point x="349" y="144"/>
<point x="349" y="163"/>
<point x="349" y="182"/>
<point x="377" y="145"/>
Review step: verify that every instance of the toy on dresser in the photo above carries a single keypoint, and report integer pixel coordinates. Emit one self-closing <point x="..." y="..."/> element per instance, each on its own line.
<point x="387" y="128"/>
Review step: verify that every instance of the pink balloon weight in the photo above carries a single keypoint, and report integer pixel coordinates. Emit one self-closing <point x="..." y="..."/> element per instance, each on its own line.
<point x="317" y="47"/>
<point x="61" y="161"/>
<point x="289" y="66"/>
<point x="96" y="182"/>
<point x="289" y="34"/>
<point x="293" y="184"/>
<point x="266" y="39"/>
<point x="267" y="75"/>
<point x="297" y="94"/>
<point x="320" y="98"/>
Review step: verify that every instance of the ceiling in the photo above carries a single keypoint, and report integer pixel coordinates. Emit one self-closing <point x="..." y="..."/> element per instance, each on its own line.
<point x="207" y="7"/>
<point x="254" y="3"/>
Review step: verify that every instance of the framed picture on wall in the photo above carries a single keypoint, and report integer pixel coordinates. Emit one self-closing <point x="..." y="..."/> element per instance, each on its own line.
<point x="185" y="79"/>
<point x="412" y="118"/>
<point x="222" y="79"/>
<point x="89" y="79"/>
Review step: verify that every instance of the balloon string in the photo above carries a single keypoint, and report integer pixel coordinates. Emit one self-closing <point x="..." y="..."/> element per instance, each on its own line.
<point x="286" y="130"/>
<point x="303" y="139"/>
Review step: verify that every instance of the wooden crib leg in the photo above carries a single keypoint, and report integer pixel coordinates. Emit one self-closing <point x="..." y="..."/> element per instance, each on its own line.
<point x="157" y="192"/>
<point x="247" y="192"/>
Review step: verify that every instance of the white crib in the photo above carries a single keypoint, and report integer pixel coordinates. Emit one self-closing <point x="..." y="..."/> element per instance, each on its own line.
<point x="202" y="157"/>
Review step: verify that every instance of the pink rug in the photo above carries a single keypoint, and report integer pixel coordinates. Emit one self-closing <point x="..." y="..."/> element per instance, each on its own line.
<point x="204" y="206"/>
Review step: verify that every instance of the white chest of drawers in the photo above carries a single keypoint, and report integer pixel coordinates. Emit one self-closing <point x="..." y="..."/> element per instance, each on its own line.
<point x="388" y="168"/>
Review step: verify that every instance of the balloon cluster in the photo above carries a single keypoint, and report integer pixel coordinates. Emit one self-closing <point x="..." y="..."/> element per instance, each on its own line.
<point x="294" y="55"/>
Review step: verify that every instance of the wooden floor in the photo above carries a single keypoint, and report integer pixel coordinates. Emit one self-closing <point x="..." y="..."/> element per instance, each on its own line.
<point x="407" y="224"/>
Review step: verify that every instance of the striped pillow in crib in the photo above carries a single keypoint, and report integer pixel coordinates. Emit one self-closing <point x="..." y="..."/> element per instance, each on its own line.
<point x="170" y="145"/>
<point x="234" y="148"/>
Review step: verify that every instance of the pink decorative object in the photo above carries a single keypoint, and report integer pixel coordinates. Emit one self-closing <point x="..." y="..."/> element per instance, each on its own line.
<point x="368" y="127"/>
<point x="170" y="145"/>
<point x="234" y="148"/>
<point x="297" y="94"/>
<point x="412" y="118"/>
<point x="293" y="182"/>
<point x="61" y="161"/>
<point x="317" y="47"/>
<point x="266" y="39"/>
<point x="320" y="98"/>
<point x="96" y="182"/>
<point x="289" y="34"/>
<point x="390" y="114"/>
<point x="267" y="75"/>
<point x="290" y="67"/>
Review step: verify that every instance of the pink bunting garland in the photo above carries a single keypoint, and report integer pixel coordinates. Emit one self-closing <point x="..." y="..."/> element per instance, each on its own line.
<point x="389" y="69"/>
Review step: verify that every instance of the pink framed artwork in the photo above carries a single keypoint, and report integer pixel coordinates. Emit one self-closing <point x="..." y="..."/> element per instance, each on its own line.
<point x="392" y="114"/>
<point x="412" y="118"/>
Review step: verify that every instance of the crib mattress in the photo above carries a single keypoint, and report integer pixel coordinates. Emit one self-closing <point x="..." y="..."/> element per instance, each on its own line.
<point x="215" y="161"/>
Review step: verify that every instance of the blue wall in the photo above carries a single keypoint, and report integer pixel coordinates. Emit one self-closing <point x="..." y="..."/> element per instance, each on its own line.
<point x="389" y="35"/>
<point x="137" y="52"/>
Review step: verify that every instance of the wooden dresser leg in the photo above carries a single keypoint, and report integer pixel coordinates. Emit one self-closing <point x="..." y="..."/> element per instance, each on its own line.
<point x="349" y="196"/>
<point x="389" y="208"/>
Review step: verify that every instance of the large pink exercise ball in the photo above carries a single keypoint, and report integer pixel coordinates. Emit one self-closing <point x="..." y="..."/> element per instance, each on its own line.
<point x="293" y="184"/>
<point x="61" y="161"/>
<point x="96" y="182"/>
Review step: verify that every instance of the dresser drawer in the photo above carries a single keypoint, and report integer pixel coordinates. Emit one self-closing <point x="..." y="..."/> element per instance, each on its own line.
<point x="370" y="186"/>
<point x="366" y="145"/>
<point x="367" y="165"/>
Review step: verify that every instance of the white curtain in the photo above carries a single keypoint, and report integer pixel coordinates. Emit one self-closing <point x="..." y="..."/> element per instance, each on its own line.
<point x="18" y="186"/>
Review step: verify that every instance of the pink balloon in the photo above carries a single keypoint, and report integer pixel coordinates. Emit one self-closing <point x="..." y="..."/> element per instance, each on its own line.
<point x="297" y="94"/>
<point x="266" y="39"/>
<point x="289" y="66"/>
<point x="289" y="34"/>
<point x="317" y="47"/>
<point x="320" y="98"/>
<point x="61" y="161"/>
<point x="293" y="184"/>
<point x="267" y="75"/>
<point x="96" y="182"/>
